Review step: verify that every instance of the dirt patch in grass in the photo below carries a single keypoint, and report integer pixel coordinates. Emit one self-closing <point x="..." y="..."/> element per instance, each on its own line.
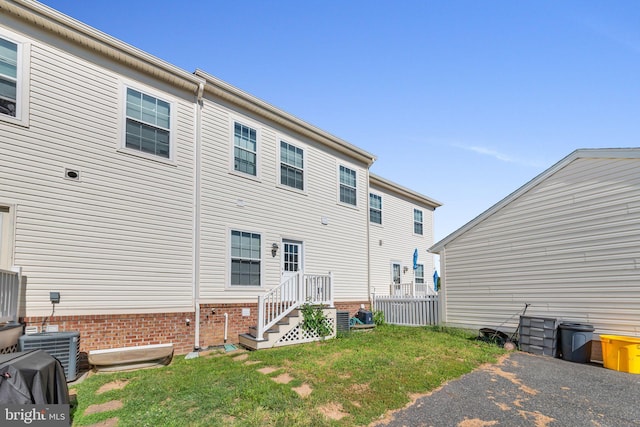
<point x="283" y="378"/>
<point x="252" y="362"/>
<point x="114" y="385"/>
<point x="241" y="357"/>
<point x="333" y="411"/>
<point x="303" y="391"/>
<point x="267" y="370"/>
<point x="359" y="388"/>
<point x="111" y="405"/>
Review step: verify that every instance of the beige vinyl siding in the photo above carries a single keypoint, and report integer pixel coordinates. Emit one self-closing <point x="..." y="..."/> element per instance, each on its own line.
<point x="277" y="212"/>
<point x="569" y="246"/>
<point x="398" y="240"/>
<point x="120" y="239"/>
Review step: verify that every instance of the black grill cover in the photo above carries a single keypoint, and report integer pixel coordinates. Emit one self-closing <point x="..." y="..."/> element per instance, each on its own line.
<point x="32" y="377"/>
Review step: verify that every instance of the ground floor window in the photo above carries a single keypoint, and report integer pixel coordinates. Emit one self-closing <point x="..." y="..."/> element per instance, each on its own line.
<point x="245" y="258"/>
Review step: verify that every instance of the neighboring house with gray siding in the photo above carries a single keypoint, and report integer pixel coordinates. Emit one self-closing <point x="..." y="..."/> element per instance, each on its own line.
<point x="567" y="242"/>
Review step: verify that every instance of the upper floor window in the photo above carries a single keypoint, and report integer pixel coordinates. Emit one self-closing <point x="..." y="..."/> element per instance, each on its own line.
<point x="148" y="128"/>
<point x="245" y="258"/>
<point x="348" y="185"/>
<point x="419" y="273"/>
<point x="417" y="221"/>
<point x="8" y="77"/>
<point x="375" y="208"/>
<point x="291" y="165"/>
<point x="245" y="149"/>
<point x="14" y="79"/>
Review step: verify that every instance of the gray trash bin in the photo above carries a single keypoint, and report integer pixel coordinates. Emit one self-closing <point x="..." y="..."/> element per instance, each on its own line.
<point x="575" y="341"/>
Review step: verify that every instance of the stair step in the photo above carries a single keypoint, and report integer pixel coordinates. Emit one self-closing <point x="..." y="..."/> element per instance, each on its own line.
<point x="252" y="343"/>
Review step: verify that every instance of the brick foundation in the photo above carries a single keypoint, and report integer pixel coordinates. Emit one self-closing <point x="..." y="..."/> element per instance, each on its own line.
<point x="352" y="306"/>
<point x="129" y="330"/>
<point x="212" y="322"/>
<point x="126" y="330"/>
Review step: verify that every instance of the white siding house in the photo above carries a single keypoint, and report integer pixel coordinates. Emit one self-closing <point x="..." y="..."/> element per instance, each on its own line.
<point x="161" y="204"/>
<point x="400" y="224"/>
<point x="91" y="209"/>
<point x="99" y="216"/>
<point x="292" y="190"/>
<point x="567" y="243"/>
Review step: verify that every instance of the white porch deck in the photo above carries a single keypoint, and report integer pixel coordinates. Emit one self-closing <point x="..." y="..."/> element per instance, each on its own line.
<point x="279" y="320"/>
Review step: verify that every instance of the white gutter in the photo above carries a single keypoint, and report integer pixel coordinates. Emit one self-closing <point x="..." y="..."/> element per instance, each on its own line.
<point x="196" y="212"/>
<point x="257" y="106"/>
<point x="88" y="37"/>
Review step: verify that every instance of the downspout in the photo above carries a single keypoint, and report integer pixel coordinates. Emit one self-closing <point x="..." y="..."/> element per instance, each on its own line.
<point x="442" y="292"/>
<point x="368" y="245"/>
<point x="196" y="213"/>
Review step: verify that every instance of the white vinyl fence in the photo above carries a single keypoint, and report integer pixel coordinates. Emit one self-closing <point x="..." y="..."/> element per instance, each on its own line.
<point x="408" y="311"/>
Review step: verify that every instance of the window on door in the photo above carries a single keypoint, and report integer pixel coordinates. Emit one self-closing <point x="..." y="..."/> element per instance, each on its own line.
<point x="395" y="273"/>
<point x="291" y="255"/>
<point x="419" y="273"/>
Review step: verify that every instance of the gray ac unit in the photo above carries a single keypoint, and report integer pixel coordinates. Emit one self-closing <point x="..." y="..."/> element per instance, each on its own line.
<point x="64" y="346"/>
<point x="342" y="321"/>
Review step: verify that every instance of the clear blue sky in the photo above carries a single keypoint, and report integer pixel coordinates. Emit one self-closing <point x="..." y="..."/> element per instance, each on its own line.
<point x="463" y="101"/>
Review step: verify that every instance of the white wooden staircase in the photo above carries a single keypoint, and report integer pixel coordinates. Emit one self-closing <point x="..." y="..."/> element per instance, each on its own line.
<point x="279" y="317"/>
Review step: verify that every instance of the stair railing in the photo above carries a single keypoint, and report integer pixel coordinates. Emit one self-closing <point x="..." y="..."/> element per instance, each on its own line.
<point x="294" y="291"/>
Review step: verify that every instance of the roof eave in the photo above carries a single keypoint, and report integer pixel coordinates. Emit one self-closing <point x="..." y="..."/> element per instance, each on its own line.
<point x="84" y="35"/>
<point x="583" y="153"/>
<point x="249" y="102"/>
<point x="381" y="182"/>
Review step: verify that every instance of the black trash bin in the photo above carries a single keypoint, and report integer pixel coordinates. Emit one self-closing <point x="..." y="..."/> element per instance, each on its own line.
<point x="365" y="316"/>
<point x="575" y="341"/>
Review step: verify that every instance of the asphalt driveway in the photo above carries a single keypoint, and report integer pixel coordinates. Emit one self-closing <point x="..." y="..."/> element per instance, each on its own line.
<point x="528" y="390"/>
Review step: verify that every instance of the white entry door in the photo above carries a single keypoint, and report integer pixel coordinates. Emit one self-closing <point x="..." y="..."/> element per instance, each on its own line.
<point x="291" y="258"/>
<point x="395" y="273"/>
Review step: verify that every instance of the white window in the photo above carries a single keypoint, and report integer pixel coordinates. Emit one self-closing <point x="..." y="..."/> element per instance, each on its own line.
<point x="14" y="79"/>
<point x="375" y="208"/>
<point x="417" y="222"/>
<point x="419" y="273"/>
<point x="245" y="258"/>
<point x="291" y="165"/>
<point x="245" y="149"/>
<point x="348" y="181"/>
<point x="148" y="124"/>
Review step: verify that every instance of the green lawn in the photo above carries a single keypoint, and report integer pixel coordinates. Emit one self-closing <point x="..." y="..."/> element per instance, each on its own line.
<point x="353" y="380"/>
